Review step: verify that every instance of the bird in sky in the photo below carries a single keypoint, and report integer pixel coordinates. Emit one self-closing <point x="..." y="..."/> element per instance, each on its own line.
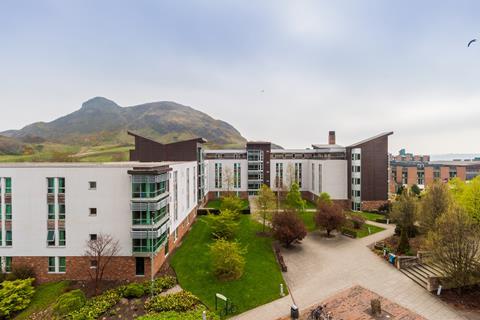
<point x="470" y="42"/>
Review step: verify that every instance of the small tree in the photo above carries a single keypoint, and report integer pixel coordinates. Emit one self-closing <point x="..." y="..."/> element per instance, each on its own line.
<point x="455" y="244"/>
<point x="403" y="213"/>
<point x="232" y="203"/>
<point x="294" y="198"/>
<point x="324" y="198"/>
<point x="357" y="220"/>
<point x="330" y="217"/>
<point x="265" y="202"/>
<point x="470" y="198"/>
<point x="404" y="244"/>
<point x="224" y="225"/>
<point x="416" y="190"/>
<point x="227" y="259"/>
<point x="434" y="203"/>
<point x="100" y="253"/>
<point x="288" y="227"/>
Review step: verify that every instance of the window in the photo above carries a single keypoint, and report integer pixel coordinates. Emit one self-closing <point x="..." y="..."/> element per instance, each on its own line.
<point x="62" y="238"/>
<point x="93" y="211"/>
<point x="51" y="237"/>
<point x="93" y="264"/>
<point x="8" y="239"/>
<point x="51" y="185"/>
<point x="92" y="185"/>
<point x="93" y="237"/>
<point x="51" y="264"/>
<point x="8" y="211"/>
<point x="313" y="176"/>
<point x="188" y="187"/>
<point x="236" y="175"/>
<point x="7" y="264"/>
<point x="175" y="195"/>
<point x="320" y="178"/>
<point x="279" y="175"/>
<point x="61" y="185"/>
<point x="57" y="264"/>
<point x="61" y="212"/>
<point x="139" y="266"/>
<point x="8" y="185"/>
<point x="51" y="211"/>
<point x="218" y="175"/>
<point x="298" y="174"/>
<point x="62" y="264"/>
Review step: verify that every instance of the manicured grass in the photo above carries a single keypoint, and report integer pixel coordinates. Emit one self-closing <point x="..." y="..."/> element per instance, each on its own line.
<point x="371" y="216"/>
<point x="45" y="295"/>
<point x="363" y="232"/>
<point x="308" y="205"/>
<point x="307" y="217"/>
<point x="260" y="282"/>
<point x="216" y="203"/>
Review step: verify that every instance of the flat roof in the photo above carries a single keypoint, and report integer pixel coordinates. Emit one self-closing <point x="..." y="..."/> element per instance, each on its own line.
<point x="123" y="164"/>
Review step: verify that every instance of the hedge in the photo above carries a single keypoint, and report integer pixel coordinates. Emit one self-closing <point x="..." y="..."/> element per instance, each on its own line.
<point x="15" y="296"/>
<point x="180" y="302"/>
<point x="173" y="315"/>
<point x="69" y="302"/>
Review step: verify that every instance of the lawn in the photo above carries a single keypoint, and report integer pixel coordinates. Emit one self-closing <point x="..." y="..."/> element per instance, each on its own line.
<point x="260" y="282"/>
<point x="309" y="205"/>
<point x="307" y="217"/>
<point x="216" y="203"/>
<point x="45" y="295"/>
<point x="371" y="216"/>
<point x="363" y="232"/>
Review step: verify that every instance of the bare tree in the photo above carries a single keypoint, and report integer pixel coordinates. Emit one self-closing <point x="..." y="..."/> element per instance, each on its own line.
<point x="228" y="179"/>
<point x="100" y="252"/>
<point x="290" y="176"/>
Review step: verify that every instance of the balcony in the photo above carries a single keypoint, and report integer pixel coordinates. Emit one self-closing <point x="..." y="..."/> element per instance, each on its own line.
<point x="145" y="243"/>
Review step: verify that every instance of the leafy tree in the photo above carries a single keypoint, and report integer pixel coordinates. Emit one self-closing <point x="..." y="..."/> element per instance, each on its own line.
<point x="416" y="190"/>
<point x="265" y="202"/>
<point x="101" y="252"/>
<point x="434" y="203"/>
<point x="357" y="220"/>
<point x="400" y="189"/>
<point x="330" y="217"/>
<point x="224" y="225"/>
<point x="232" y="203"/>
<point x="294" y="198"/>
<point x="227" y="259"/>
<point x="457" y="187"/>
<point x="470" y="198"/>
<point x="403" y="213"/>
<point x="288" y="227"/>
<point x="404" y="244"/>
<point x="324" y="198"/>
<point x="455" y="244"/>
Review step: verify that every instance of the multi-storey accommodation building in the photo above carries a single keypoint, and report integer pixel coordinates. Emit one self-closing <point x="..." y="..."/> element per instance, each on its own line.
<point x="356" y="175"/>
<point x="49" y="211"/>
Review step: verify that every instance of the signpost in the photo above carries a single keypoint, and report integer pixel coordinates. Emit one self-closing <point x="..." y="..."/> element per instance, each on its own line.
<point x="228" y="305"/>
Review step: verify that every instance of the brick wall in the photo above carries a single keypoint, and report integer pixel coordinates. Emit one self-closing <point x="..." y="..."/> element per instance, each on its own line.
<point x="212" y="195"/>
<point x="120" y="268"/>
<point x="412" y="176"/>
<point x="429" y="176"/>
<point x="372" y="205"/>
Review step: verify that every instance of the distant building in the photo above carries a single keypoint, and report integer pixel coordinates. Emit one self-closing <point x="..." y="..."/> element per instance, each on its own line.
<point x="407" y="169"/>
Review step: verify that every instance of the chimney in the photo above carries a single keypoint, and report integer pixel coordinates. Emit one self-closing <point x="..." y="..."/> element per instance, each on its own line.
<point x="331" y="137"/>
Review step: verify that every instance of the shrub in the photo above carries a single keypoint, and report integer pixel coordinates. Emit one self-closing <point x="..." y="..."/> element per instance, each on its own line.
<point x="160" y="284"/>
<point x="22" y="272"/>
<point x="180" y="302"/>
<point x="294" y="198"/>
<point x="69" y="302"/>
<point x="173" y="315"/>
<point x="15" y="296"/>
<point x="134" y="290"/>
<point x="227" y="259"/>
<point x="288" y="227"/>
<point x="357" y="220"/>
<point x="224" y="226"/>
<point x="97" y="306"/>
<point x="330" y="217"/>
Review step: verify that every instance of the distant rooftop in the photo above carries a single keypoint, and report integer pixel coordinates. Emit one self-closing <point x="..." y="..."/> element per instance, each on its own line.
<point x="125" y="164"/>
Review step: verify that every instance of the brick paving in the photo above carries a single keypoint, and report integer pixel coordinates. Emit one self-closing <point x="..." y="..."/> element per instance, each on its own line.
<point x="321" y="267"/>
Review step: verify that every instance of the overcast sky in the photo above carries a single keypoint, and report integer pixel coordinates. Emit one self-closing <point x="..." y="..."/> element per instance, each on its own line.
<point x="285" y="71"/>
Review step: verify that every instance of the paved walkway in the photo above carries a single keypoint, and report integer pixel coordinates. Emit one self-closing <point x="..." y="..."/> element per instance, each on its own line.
<point x="320" y="267"/>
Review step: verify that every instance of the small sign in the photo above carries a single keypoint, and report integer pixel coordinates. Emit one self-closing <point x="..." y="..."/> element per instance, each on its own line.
<point x="221" y="296"/>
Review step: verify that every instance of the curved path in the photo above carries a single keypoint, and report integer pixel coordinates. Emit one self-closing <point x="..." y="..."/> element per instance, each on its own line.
<point x="320" y="267"/>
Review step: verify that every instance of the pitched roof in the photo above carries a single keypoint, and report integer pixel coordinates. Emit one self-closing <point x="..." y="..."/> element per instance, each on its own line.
<point x="198" y="139"/>
<point x="371" y="139"/>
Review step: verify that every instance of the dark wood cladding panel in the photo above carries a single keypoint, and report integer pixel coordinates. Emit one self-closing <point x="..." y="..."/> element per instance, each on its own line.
<point x="147" y="150"/>
<point x="61" y="198"/>
<point x="50" y="198"/>
<point x="375" y="170"/>
<point x="8" y="198"/>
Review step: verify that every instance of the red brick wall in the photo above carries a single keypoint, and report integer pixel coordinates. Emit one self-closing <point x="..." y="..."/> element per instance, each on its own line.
<point x="120" y="268"/>
<point x="444" y="173"/>
<point x="212" y="195"/>
<point x="429" y="176"/>
<point x="412" y="176"/>
<point x="399" y="175"/>
<point x="372" y="205"/>
<point x="462" y="173"/>
<point x="346" y="204"/>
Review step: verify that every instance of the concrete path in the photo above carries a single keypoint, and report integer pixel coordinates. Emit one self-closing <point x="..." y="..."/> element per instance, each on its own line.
<point x="320" y="267"/>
